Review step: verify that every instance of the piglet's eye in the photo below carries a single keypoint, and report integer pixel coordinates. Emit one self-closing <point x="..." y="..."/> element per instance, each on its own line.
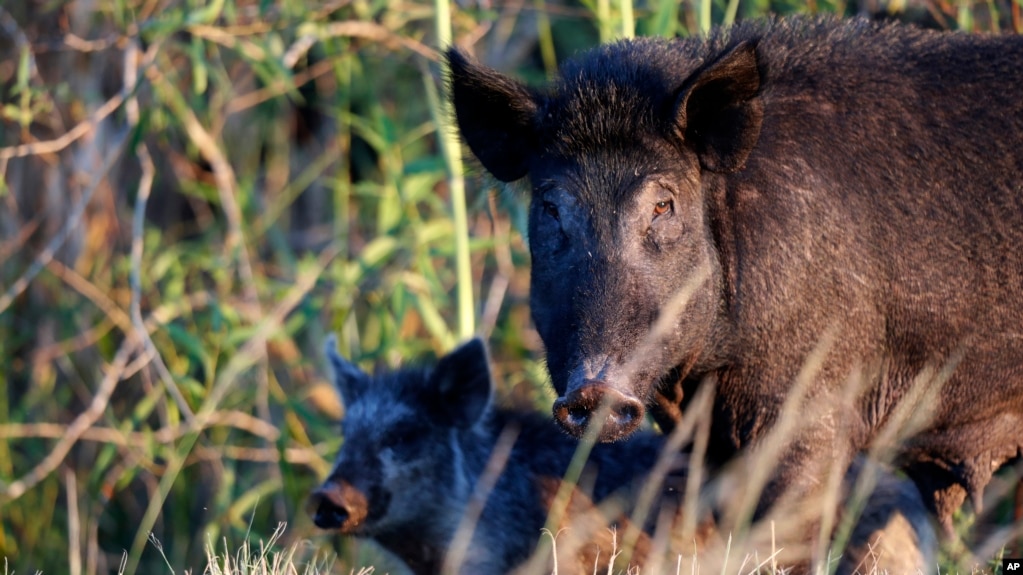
<point x="663" y="207"/>
<point x="551" y="210"/>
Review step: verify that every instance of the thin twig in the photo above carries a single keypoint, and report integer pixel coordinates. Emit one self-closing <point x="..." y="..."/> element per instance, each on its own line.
<point x="58" y="144"/>
<point x="92" y="292"/>
<point x="72" y="222"/>
<point x="138" y="230"/>
<point x="501" y="233"/>
<point x="223" y="173"/>
<point x="227" y="188"/>
<point x="80" y="44"/>
<point x="158" y="317"/>
<point x="253" y="351"/>
<point x="229" y="418"/>
<point x="279" y="87"/>
<point x="74" y="524"/>
<point x="232" y="41"/>
<point x="78" y="427"/>
<point x="25" y="231"/>
<point x="168" y="435"/>
<point x="370" y="31"/>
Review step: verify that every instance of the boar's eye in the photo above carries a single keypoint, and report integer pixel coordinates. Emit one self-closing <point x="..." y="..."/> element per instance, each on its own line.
<point x="662" y="207"/>
<point x="551" y="210"/>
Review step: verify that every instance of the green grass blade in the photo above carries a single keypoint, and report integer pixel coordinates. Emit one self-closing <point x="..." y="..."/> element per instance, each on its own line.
<point x="452" y="151"/>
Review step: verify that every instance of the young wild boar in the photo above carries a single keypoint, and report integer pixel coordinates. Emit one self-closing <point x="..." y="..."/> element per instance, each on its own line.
<point x="719" y="208"/>
<point x="416" y="444"/>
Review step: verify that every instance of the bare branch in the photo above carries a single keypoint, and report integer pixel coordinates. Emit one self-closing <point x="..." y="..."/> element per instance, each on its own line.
<point x="78" y="427"/>
<point x="73" y="220"/>
<point x="56" y="145"/>
<point x="131" y="70"/>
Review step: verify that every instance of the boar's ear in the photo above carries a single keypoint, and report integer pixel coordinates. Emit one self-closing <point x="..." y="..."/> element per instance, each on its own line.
<point x="463" y="385"/>
<point x="496" y="116"/>
<point x="349" y="380"/>
<point x="717" y="110"/>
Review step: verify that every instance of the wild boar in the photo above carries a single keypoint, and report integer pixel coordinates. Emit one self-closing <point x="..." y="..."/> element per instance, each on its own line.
<point x="718" y="208"/>
<point x="418" y="440"/>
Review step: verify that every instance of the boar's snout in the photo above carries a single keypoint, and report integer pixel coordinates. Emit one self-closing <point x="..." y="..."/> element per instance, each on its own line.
<point x="623" y="413"/>
<point x="338" y="505"/>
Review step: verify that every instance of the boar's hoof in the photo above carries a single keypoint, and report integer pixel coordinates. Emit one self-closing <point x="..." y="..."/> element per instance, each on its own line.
<point x="574" y="411"/>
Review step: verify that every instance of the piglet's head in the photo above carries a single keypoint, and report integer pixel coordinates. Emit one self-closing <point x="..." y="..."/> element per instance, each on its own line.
<point x="401" y="431"/>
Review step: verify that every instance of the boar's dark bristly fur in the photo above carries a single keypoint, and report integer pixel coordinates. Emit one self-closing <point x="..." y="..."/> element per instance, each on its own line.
<point x="719" y="208"/>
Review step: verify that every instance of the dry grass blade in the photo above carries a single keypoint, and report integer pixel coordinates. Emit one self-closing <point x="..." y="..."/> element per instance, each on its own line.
<point x="269" y="560"/>
<point x="694" y="419"/>
<point x="667" y="320"/>
<point x="763" y="461"/>
<point x="488" y="479"/>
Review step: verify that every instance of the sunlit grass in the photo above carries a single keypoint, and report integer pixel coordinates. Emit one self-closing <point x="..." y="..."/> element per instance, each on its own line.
<point x="268" y="559"/>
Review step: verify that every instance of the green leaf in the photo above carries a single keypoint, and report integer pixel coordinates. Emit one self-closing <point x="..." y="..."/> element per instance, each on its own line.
<point x="206" y="15"/>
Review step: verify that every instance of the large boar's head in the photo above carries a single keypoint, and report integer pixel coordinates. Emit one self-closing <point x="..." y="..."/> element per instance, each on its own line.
<point x="620" y="150"/>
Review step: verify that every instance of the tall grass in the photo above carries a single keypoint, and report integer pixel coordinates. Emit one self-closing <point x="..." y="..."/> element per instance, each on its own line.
<point x="194" y="192"/>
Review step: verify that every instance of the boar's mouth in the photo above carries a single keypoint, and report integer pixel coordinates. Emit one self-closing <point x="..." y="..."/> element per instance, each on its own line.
<point x="596" y="403"/>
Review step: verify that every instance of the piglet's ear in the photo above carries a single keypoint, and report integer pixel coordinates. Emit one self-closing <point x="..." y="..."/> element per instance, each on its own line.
<point x="463" y="385"/>
<point x="496" y="116"/>
<point x="717" y="111"/>
<point x="349" y="380"/>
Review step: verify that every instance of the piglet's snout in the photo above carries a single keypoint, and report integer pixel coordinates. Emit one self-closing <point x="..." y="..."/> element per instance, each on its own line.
<point x="338" y="505"/>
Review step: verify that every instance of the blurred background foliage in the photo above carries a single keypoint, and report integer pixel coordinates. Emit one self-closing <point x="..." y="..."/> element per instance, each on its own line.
<point x="195" y="192"/>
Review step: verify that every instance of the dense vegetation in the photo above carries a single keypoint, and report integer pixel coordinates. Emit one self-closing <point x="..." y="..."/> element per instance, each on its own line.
<point x="194" y="193"/>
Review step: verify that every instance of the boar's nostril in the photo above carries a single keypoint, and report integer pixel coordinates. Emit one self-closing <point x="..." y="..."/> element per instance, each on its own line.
<point x="329" y="516"/>
<point x="626" y="412"/>
<point x="572" y="417"/>
<point x="577" y="416"/>
<point x="574" y="411"/>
